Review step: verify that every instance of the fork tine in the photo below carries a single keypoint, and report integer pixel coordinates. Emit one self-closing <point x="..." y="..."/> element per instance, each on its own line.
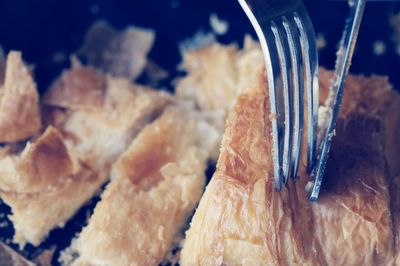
<point x="274" y="74"/>
<point x="283" y="79"/>
<point x="297" y="87"/>
<point x="310" y="60"/>
<point x="282" y="45"/>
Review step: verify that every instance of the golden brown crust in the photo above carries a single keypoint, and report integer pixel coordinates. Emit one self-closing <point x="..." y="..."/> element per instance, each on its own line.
<point x="19" y="102"/>
<point x="44" y="186"/>
<point x="156" y="184"/>
<point x="241" y="220"/>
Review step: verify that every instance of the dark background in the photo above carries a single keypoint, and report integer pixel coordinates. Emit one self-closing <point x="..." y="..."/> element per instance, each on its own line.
<point x="40" y="28"/>
<point x="43" y="28"/>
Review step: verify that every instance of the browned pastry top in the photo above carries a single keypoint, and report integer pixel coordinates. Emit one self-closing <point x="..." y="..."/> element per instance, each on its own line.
<point x="242" y="220"/>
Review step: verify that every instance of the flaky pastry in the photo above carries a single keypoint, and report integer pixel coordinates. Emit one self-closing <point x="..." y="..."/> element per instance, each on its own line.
<point x="19" y="101"/>
<point x="242" y="220"/>
<point x="155" y="186"/>
<point x="101" y="121"/>
<point x="44" y="185"/>
<point x="215" y="77"/>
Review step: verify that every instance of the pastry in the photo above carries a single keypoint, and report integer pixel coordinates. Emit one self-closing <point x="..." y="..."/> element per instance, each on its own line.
<point x="19" y="101"/>
<point x="242" y="220"/>
<point x="44" y="184"/>
<point x="91" y="119"/>
<point x="100" y="115"/>
<point x="215" y="77"/>
<point x="155" y="186"/>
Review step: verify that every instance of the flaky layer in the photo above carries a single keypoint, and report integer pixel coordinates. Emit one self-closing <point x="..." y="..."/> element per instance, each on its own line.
<point x="156" y="184"/>
<point x="44" y="186"/>
<point x="100" y="121"/>
<point x="216" y="76"/>
<point x="242" y="220"/>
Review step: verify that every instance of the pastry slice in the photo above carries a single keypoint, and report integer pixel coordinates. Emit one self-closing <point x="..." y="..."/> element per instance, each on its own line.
<point x="100" y="115"/>
<point x="242" y="220"/>
<point x="19" y="101"/>
<point x="155" y="186"/>
<point x="44" y="184"/>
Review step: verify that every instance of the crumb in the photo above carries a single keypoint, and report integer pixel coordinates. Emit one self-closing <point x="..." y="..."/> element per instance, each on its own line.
<point x="321" y="41"/>
<point x="379" y="48"/>
<point x="351" y="2"/>
<point x="309" y="186"/>
<point x="199" y="40"/>
<point x="219" y="26"/>
<point x="4" y="224"/>
<point x="323" y="116"/>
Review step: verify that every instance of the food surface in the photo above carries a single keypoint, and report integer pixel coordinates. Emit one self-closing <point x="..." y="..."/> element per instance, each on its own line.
<point x="102" y="119"/>
<point x="144" y="152"/>
<point x="91" y="120"/>
<point x="216" y="76"/>
<point x="242" y="220"/>
<point x="44" y="185"/>
<point x="19" y="101"/>
<point x="156" y="184"/>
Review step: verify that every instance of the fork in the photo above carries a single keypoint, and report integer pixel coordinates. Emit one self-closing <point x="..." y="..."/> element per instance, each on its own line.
<point x="288" y="42"/>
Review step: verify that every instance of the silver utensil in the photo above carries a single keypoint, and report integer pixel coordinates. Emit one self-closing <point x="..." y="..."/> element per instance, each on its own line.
<point x="289" y="46"/>
<point x="344" y="55"/>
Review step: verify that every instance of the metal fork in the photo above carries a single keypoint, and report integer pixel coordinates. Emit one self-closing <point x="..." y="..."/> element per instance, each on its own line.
<point x="289" y="46"/>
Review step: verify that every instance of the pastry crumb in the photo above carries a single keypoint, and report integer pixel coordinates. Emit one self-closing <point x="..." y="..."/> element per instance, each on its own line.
<point x="219" y="26"/>
<point x="309" y="186"/>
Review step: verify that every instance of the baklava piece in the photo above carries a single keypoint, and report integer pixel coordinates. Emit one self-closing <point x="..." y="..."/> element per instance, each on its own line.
<point x="242" y="220"/>
<point x="155" y="186"/>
